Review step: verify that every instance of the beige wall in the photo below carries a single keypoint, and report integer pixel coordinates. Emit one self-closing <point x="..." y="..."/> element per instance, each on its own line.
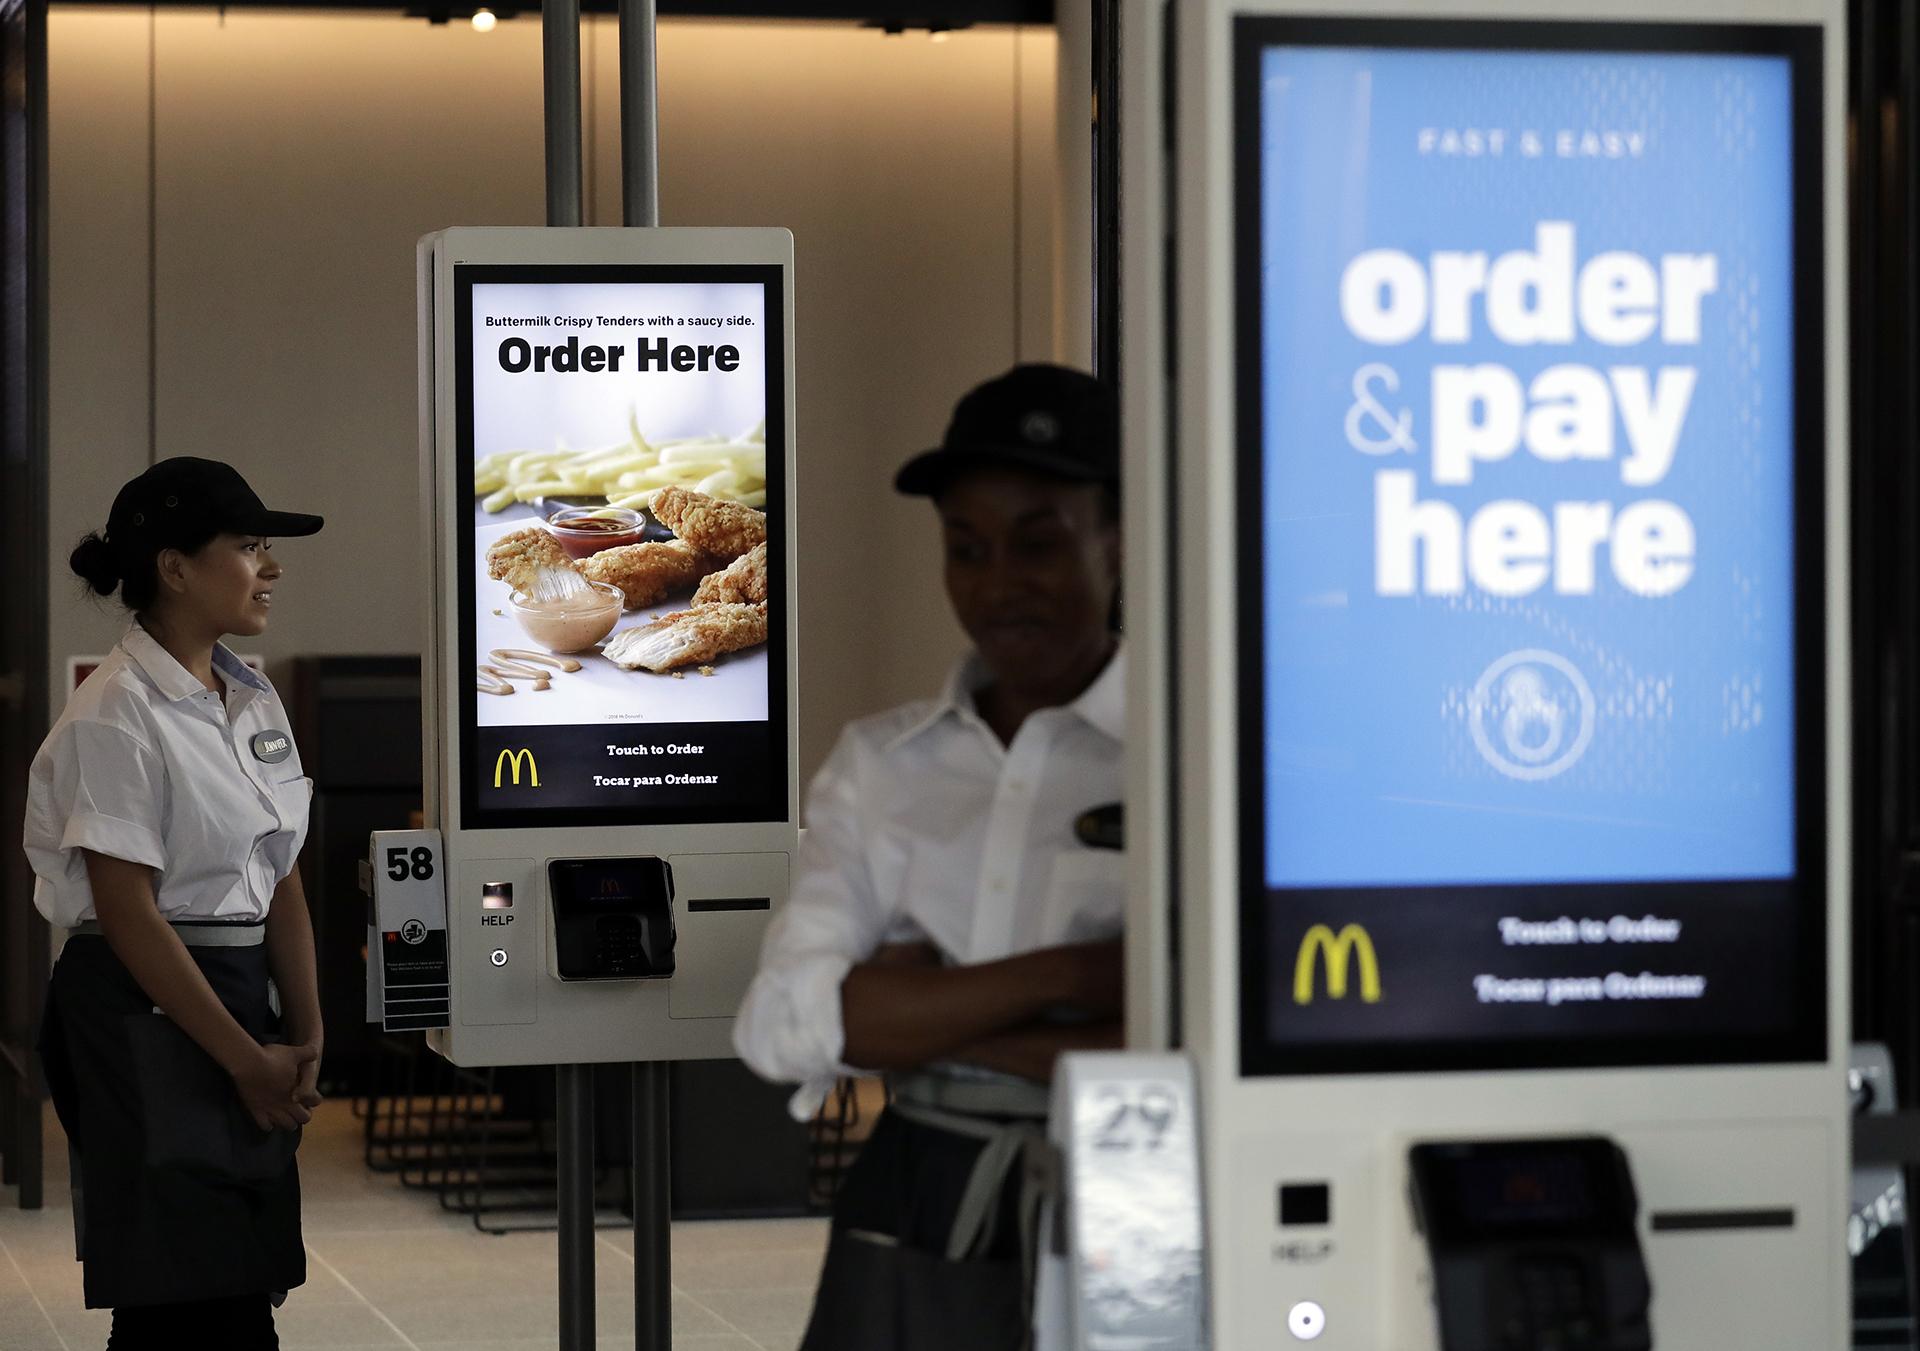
<point x="298" y="156"/>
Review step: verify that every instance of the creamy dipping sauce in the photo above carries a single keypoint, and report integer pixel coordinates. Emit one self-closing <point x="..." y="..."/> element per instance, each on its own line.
<point x="571" y="625"/>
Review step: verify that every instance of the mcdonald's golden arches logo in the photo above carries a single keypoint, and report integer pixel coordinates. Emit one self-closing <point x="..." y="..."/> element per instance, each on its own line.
<point x="1340" y="950"/>
<point x="511" y="761"/>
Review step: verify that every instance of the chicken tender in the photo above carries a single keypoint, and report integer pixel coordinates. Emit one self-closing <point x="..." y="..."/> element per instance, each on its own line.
<point x="648" y="573"/>
<point x="532" y="562"/>
<point x="744" y="582"/>
<point x="689" y="637"/>
<point x="726" y="530"/>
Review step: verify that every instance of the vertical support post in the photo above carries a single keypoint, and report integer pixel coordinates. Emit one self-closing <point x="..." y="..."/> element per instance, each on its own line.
<point x="560" y="47"/>
<point x="573" y="1099"/>
<point x="574" y="1123"/>
<point x="652" y="1177"/>
<point x="1073" y="205"/>
<point x="1106" y="190"/>
<point x="652" y="1211"/>
<point x="639" y="114"/>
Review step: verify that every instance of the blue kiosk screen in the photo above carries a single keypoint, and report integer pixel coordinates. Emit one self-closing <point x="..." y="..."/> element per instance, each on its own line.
<point x="1531" y="443"/>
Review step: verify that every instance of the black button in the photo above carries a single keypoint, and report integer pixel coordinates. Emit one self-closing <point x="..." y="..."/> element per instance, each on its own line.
<point x="1306" y="1203"/>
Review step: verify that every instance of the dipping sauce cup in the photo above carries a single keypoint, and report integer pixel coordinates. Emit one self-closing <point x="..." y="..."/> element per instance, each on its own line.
<point x="585" y="531"/>
<point x="572" y="625"/>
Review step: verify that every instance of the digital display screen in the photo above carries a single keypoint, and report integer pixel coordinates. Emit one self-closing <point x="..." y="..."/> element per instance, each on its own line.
<point x="1529" y="386"/>
<point x="621" y="443"/>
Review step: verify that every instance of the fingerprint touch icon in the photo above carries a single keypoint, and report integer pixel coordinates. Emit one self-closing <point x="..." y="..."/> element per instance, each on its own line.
<point x="1531" y="714"/>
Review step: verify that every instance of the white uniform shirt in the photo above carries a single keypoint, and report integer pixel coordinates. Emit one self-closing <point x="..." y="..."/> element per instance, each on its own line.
<point x="146" y="764"/>
<point x="922" y="826"/>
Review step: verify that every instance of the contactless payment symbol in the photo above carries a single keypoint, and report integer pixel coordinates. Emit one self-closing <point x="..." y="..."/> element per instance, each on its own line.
<point x="1531" y="715"/>
<point x="414" y="932"/>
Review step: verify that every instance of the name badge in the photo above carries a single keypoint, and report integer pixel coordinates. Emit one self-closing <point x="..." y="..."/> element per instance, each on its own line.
<point x="1102" y="828"/>
<point x="271" y="748"/>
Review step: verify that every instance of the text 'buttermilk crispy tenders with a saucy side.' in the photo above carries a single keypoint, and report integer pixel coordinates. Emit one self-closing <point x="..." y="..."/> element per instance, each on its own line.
<point x="720" y="555"/>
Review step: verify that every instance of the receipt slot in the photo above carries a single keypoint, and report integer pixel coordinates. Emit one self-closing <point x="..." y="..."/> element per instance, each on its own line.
<point x="607" y="462"/>
<point x="612" y="918"/>
<point x="1487" y="580"/>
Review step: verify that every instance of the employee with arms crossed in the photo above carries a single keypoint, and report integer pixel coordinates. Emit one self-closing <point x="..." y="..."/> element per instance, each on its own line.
<point x="164" y="815"/>
<point x="956" y="911"/>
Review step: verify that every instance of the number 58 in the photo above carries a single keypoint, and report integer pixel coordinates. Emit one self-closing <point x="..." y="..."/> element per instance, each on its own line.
<point x="418" y="865"/>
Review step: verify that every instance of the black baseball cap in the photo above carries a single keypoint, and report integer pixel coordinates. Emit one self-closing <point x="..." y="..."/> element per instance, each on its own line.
<point x="185" y="496"/>
<point x="1050" y="419"/>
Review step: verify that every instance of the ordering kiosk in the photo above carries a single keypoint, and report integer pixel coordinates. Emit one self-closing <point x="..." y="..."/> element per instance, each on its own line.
<point x="610" y="775"/>
<point x="1488" y="601"/>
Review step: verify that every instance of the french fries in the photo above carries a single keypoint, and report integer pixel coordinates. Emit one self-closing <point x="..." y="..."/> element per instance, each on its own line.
<point x="733" y="469"/>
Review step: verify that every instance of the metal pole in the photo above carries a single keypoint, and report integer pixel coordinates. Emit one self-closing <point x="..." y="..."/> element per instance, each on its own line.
<point x="560" y="44"/>
<point x="574" y="1124"/>
<point x="652" y="1179"/>
<point x="639" y="114"/>
<point x="652" y="1211"/>
<point x="573" y="1098"/>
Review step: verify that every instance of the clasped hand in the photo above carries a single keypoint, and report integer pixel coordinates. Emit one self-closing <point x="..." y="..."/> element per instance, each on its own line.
<point x="279" y="1086"/>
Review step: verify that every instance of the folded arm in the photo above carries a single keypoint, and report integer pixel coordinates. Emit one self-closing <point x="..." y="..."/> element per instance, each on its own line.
<point x="901" y="1014"/>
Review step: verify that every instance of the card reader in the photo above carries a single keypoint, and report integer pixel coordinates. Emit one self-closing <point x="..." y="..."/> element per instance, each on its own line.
<point x="612" y="918"/>
<point x="1534" y="1245"/>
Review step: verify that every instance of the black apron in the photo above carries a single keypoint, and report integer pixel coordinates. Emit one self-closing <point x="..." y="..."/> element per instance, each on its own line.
<point x="933" y="1242"/>
<point x="178" y="1196"/>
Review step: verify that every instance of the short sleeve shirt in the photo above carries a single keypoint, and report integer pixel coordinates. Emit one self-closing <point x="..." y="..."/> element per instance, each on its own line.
<point x="922" y="826"/>
<point x="148" y="765"/>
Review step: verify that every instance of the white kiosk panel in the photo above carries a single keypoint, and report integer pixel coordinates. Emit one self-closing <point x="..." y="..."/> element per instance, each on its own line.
<point x="613" y="773"/>
<point x="1505" y="592"/>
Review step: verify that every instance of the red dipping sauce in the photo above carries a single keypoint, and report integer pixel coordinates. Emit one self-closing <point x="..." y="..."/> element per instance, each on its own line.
<point x="585" y="531"/>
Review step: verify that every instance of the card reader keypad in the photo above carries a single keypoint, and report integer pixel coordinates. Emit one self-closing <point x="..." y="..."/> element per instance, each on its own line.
<point x="1554" y="1305"/>
<point x="620" y="946"/>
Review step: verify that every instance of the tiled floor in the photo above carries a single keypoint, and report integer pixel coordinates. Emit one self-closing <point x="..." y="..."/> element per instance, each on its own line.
<point x="388" y="1268"/>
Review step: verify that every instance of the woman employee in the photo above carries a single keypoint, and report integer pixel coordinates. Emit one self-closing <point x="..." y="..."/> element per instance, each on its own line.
<point x="957" y="904"/>
<point x="164" y="814"/>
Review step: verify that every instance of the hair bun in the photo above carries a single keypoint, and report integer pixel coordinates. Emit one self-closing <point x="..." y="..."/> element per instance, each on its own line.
<point x="93" y="559"/>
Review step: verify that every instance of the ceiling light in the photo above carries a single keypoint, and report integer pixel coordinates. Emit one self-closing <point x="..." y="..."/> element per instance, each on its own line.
<point x="483" y="21"/>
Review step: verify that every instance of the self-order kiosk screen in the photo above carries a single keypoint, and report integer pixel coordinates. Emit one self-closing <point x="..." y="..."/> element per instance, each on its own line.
<point x="1529" y="384"/>
<point x="622" y="426"/>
